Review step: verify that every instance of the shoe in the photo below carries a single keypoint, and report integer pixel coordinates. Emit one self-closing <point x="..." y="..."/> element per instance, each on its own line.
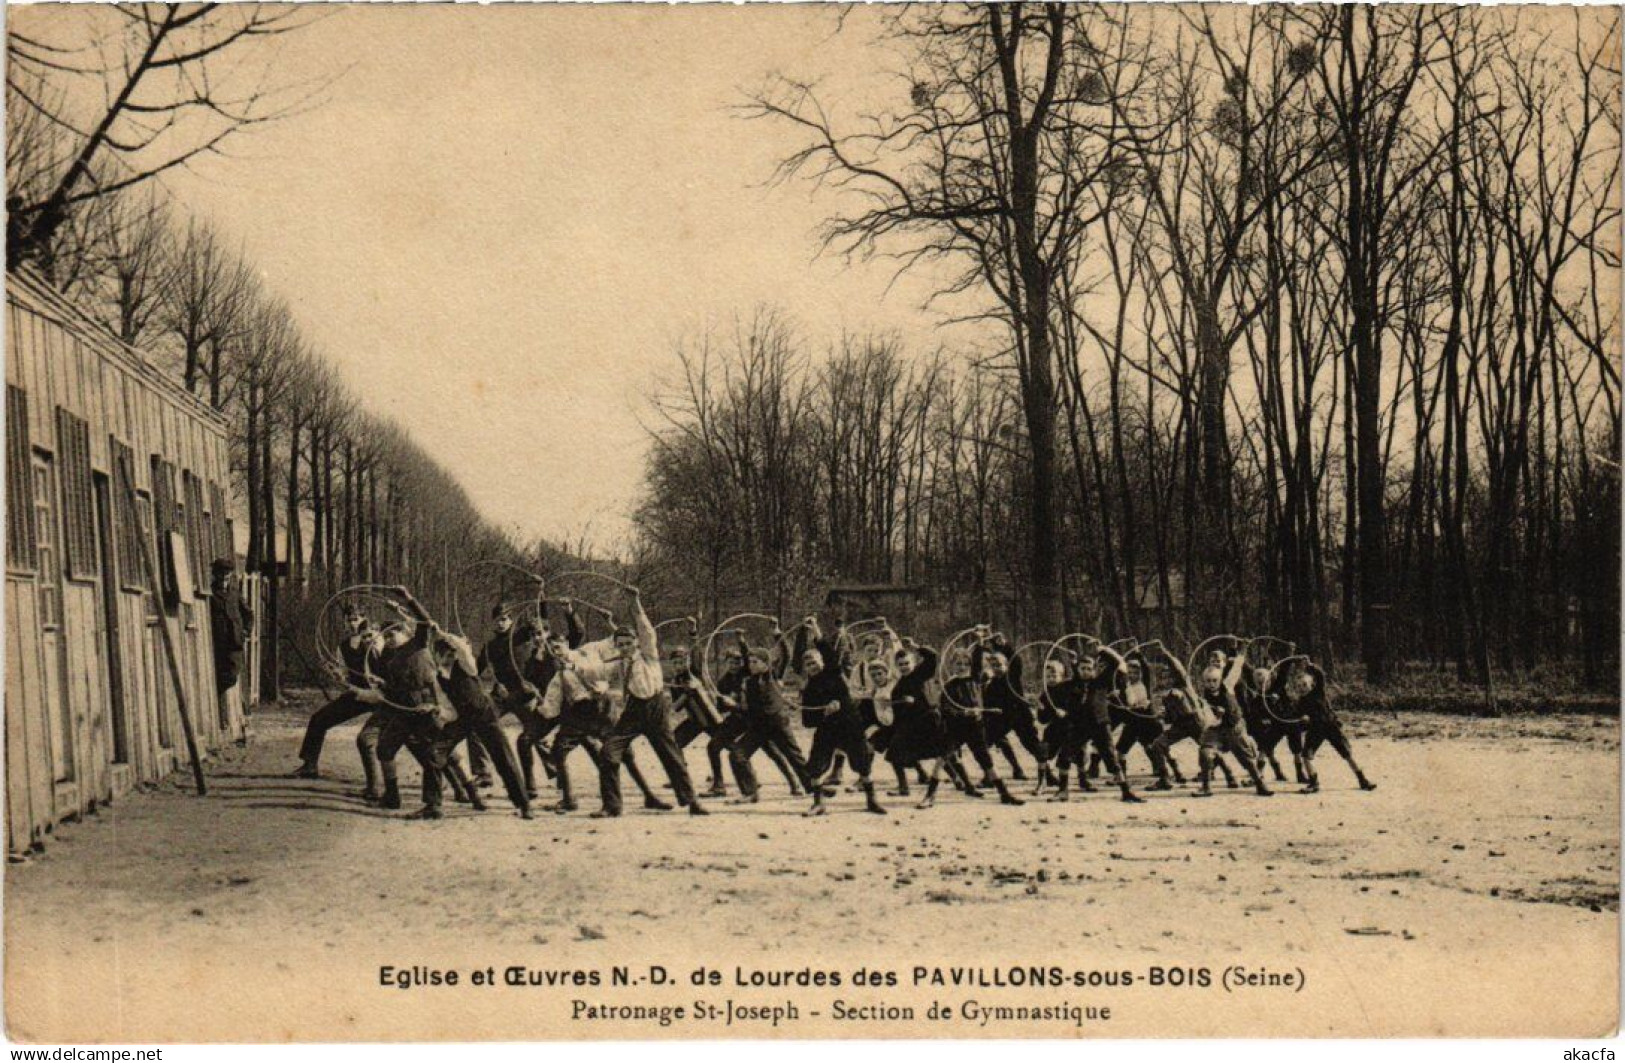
<point x="604" y="813"/>
<point x="530" y="792"/>
<point x="525" y="813"/>
<point x="428" y="812"/>
<point x="1367" y="785"/>
<point x="1205" y="791"/>
<point x="819" y="809"/>
<point x="747" y="799"/>
<point x="1010" y="799"/>
<point x="1264" y="791"/>
<point x="563" y="806"/>
<point x="926" y="802"/>
<point x="697" y="809"/>
<point x="1312" y="788"/>
<point x="477" y="803"/>
<point x="482" y="781"/>
<point x="716" y="791"/>
<point x="369" y="795"/>
<point x="1164" y="784"/>
<point x="305" y="771"/>
<point x="655" y="804"/>
<point x="389" y="800"/>
<point x="1130" y="797"/>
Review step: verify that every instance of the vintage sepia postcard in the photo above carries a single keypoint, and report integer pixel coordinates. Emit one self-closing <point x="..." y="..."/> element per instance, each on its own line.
<point x="809" y="521"/>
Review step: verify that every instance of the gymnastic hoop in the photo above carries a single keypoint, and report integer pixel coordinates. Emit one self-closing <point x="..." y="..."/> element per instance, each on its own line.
<point x="729" y="626"/>
<point x="874" y="641"/>
<point x="375" y="601"/>
<point x="529" y="579"/>
<point x="945" y="659"/>
<point x="1193" y="667"/>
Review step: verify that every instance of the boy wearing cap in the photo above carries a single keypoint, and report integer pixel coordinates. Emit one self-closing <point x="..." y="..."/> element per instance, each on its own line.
<point x="358" y="650"/>
<point x="766" y="714"/>
<point x="827" y="707"/>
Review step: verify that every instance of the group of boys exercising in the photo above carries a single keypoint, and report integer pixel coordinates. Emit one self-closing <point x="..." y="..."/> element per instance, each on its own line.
<point x="422" y="689"/>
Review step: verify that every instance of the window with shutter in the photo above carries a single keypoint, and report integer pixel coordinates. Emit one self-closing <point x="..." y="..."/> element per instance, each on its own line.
<point x="164" y="521"/>
<point x="220" y="528"/>
<point x="198" y="547"/>
<point x="132" y="568"/>
<point x="20" y="536"/>
<point x="78" y="512"/>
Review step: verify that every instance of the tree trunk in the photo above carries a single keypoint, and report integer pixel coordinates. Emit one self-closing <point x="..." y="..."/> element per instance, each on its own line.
<point x="271" y="683"/>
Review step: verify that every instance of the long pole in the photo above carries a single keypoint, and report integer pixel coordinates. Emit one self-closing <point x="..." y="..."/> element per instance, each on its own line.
<point x="150" y="563"/>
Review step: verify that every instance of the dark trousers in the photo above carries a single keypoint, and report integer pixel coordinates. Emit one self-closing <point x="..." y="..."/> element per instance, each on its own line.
<point x="340" y="710"/>
<point x="1270" y="736"/>
<point x="1268" y="732"/>
<point x="1328" y="732"/>
<point x="585" y="726"/>
<point x="968" y="729"/>
<point x="483" y="731"/>
<point x="842" y="732"/>
<point x="1082" y="729"/>
<point x="687" y="731"/>
<point x="767" y="731"/>
<point x="1136" y="730"/>
<point x="722" y="736"/>
<point x="1023" y="723"/>
<point x="366" y="744"/>
<point x="728" y="734"/>
<point x="650" y="718"/>
<point x="533" y="729"/>
<point x="1140" y="731"/>
<point x="421" y="736"/>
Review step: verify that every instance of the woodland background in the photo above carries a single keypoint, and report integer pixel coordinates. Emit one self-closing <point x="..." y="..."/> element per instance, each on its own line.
<point x="1307" y="324"/>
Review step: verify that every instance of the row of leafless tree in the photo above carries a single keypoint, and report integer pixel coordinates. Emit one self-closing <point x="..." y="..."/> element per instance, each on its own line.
<point x="100" y="104"/>
<point x="1310" y="322"/>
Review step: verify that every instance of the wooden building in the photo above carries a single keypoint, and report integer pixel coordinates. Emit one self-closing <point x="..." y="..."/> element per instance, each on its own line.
<point x="90" y="706"/>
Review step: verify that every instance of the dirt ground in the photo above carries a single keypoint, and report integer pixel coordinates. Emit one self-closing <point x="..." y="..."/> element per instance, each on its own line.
<point x="1475" y="892"/>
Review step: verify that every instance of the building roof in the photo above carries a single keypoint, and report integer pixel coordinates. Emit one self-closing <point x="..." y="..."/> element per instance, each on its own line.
<point x="28" y="289"/>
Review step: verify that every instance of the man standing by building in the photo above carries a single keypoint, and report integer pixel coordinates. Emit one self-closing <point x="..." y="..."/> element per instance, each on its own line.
<point x="229" y="622"/>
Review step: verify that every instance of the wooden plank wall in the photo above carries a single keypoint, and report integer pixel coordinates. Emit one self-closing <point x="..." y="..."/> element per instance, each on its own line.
<point x="61" y="359"/>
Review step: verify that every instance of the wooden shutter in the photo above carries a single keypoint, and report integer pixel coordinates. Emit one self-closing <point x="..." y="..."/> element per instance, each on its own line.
<point x="21" y="541"/>
<point x="220" y="528"/>
<point x="197" y="534"/>
<point x="78" y="511"/>
<point x="132" y="568"/>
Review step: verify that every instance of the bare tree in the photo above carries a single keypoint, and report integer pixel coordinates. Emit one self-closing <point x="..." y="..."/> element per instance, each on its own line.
<point x="175" y="86"/>
<point x="987" y="164"/>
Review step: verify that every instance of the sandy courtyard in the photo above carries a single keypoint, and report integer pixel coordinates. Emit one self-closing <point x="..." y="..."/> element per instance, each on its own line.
<point x="1475" y="892"/>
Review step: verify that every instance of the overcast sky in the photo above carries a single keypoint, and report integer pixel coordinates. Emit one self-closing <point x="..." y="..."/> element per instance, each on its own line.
<point x="502" y="216"/>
